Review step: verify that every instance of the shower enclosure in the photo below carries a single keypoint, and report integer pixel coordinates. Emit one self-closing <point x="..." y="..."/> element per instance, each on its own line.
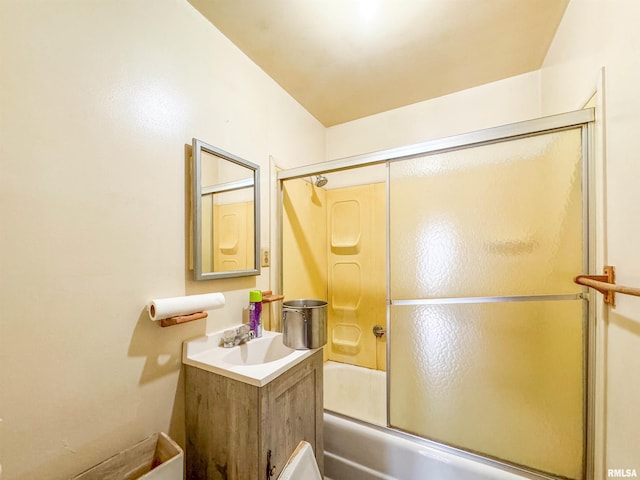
<point x="449" y="266"/>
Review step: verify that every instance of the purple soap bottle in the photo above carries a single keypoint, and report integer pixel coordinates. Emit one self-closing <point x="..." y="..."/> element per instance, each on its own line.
<point x="255" y="312"/>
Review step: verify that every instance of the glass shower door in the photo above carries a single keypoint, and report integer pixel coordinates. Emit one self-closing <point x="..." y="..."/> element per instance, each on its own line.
<point x="487" y="329"/>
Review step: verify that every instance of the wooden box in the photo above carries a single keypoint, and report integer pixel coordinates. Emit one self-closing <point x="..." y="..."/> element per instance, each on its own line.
<point x="157" y="457"/>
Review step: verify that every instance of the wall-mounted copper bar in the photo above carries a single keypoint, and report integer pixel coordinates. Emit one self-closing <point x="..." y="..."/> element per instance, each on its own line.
<point x="168" y="322"/>
<point x="606" y="284"/>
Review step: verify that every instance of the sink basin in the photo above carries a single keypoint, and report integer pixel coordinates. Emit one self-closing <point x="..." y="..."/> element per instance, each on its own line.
<point x="256" y="362"/>
<point x="260" y="350"/>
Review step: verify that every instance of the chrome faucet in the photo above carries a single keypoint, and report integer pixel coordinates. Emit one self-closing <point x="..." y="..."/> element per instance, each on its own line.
<point x="236" y="336"/>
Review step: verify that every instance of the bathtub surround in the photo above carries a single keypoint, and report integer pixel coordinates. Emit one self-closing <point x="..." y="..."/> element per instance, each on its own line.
<point x="351" y="261"/>
<point x="356" y="392"/>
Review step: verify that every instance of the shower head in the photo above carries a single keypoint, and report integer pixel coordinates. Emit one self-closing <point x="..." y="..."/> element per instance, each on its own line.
<point x="321" y="181"/>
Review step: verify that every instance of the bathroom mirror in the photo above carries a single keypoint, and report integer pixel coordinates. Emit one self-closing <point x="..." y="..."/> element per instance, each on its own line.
<point x="225" y="209"/>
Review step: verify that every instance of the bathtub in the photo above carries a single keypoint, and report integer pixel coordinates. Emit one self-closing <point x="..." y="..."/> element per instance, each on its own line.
<point x="355" y="450"/>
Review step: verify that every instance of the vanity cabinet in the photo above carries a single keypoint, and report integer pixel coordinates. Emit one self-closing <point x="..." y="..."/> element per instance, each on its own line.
<point x="231" y="426"/>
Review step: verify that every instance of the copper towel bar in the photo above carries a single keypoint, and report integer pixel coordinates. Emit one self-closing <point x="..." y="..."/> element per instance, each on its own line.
<point x="606" y="284"/>
<point x="169" y="322"/>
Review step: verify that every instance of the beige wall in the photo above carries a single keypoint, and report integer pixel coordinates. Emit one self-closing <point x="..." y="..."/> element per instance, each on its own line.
<point x="507" y="101"/>
<point x="97" y="102"/>
<point x="595" y="34"/>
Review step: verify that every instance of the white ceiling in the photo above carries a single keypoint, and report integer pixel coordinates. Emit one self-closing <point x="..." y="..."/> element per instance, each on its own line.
<point x="347" y="59"/>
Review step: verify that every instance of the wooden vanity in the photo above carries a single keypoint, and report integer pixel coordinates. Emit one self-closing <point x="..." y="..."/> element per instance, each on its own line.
<point x="231" y="425"/>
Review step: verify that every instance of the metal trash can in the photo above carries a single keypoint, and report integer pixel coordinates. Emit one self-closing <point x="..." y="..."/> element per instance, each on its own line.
<point x="304" y="324"/>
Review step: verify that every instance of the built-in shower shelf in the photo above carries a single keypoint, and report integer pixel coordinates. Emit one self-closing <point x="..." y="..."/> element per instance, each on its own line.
<point x="606" y="284"/>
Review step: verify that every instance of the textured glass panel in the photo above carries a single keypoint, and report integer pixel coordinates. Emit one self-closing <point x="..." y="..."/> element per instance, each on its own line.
<point x="500" y="219"/>
<point x="500" y="379"/>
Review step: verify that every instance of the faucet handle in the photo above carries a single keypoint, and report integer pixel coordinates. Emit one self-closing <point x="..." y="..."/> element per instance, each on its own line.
<point x="228" y="336"/>
<point x="243" y="330"/>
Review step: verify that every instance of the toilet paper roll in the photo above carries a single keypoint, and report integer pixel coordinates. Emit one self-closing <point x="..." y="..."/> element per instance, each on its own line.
<point x="162" y="308"/>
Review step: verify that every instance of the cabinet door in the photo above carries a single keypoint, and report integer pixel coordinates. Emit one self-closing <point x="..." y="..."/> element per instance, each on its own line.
<point x="221" y="428"/>
<point x="292" y="411"/>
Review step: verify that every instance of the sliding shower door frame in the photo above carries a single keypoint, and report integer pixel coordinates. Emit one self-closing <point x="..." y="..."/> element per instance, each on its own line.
<point x="582" y="119"/>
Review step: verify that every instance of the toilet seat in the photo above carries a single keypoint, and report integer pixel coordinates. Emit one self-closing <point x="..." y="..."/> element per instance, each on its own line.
<point x="301" y="465"/>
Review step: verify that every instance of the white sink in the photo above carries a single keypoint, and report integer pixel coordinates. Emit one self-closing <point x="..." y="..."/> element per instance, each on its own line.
<point x="256" y="362"/>
<point x="260" y="350"/>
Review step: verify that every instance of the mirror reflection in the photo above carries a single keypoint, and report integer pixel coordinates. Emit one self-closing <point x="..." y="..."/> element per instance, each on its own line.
<point x="225" y="214"/>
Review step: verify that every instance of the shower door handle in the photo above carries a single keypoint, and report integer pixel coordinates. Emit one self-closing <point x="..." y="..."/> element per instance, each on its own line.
<point x="379" y="331"/>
